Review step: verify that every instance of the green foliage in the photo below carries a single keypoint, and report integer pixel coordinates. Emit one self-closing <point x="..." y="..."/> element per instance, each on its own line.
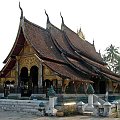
<point x="112" y="58"/>
<point x="51" y="92"/>
<point x="90" y="89"/>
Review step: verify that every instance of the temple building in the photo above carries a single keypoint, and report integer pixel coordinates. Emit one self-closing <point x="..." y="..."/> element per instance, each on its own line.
<point x="41" y="57"/>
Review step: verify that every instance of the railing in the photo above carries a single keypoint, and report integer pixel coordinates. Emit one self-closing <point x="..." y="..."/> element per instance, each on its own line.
<point x="98" y="98"/>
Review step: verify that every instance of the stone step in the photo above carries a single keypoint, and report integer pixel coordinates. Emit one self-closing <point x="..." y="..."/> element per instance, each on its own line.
<point x="87" y="113"/>
<point x="29" y="106"/>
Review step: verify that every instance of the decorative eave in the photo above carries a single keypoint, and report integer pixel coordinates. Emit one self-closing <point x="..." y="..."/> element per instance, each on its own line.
<point x="65" y="72"/>
<point x="79" y="67"/>
<point x="7" y="67"/>
<point x="17" y="46"/>
<point x="111" y="77"/>
<point x="100" y="67"/>
<point x="16" y="43"/>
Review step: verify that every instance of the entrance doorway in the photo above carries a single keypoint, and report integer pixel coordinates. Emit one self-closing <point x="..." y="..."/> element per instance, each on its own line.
<point x="33" y="82"/>
<point x="24" y="81"/>
<point x="102" y="87"/>
<point x="46" y="85"/>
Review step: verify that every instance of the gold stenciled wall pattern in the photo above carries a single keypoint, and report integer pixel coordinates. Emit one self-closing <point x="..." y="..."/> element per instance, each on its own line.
<point x="28" y="58"/>
<point x="28" y="62"/>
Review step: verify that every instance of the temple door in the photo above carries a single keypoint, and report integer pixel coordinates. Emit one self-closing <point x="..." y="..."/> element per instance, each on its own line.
<point x="24" y="81"/>
<point x="33" y="82"/>
<point x="102" y="87"/>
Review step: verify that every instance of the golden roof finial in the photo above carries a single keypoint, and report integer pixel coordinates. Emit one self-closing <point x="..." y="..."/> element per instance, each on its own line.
<point x="80" y="34"/>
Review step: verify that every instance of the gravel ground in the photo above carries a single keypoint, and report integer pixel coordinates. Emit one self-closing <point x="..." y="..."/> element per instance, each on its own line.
<point x="12" y="115"/>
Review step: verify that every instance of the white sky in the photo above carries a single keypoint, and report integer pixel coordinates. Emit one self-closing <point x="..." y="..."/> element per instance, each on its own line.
<point x="99" y="19"/>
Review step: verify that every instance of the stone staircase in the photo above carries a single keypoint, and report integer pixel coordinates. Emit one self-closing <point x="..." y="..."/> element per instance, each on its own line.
<point x="30" y="106"/>
<point x="95" y="99"/>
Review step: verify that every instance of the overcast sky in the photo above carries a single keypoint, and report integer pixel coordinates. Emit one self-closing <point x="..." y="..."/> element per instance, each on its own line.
<point x="98" y="19"/>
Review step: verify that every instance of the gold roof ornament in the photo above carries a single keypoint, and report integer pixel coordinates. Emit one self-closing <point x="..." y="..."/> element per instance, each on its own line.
<point x="80" y="34"/>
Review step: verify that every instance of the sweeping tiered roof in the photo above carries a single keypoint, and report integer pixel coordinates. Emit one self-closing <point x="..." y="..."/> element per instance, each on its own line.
<point x="63" y="51"/>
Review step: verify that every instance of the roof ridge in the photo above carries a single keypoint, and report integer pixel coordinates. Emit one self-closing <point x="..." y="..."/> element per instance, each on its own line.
<point x="63" y="25"/>
<point x="26" y="20"/>
<point x="77" y="35"/>
<point x="55" y="27"/>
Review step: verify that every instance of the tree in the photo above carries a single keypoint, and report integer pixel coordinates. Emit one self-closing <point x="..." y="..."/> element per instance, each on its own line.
<point x="117" y="68"/>
<point x="112" y="58"/>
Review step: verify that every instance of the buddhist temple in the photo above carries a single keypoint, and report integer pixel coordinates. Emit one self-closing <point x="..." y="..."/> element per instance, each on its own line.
<point x="41" y="57"/>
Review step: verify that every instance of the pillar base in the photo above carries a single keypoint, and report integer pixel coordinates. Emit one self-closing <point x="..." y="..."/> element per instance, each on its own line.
<point x="89" y="108"/>
<point x="51" y="112"/>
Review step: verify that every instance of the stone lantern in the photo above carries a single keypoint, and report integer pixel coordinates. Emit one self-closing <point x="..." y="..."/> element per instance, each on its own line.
<point x="42" y="108"/>
<point x="116" y="104"/>
<point x="80" y="107"/>
<point x="96" y="108"/>
<point x="107" y="109"/>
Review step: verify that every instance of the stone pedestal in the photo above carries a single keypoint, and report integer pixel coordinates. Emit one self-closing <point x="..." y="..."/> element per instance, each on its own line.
<point x="90" y="106"/>
<point x="107" y="109"/>
<point x="55" y="100"/>
<point x="80" y="107"/>
<point x="50" y="110"/>
<point x="96" y="108"/>
<point x="116" y="104"/>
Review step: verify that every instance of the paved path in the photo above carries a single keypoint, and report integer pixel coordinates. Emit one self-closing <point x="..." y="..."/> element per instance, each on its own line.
<point x="9" y="115"/>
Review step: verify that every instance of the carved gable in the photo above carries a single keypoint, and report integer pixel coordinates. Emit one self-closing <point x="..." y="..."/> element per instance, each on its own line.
<point x="27" y="49"/>
<point x="27" y="57"/>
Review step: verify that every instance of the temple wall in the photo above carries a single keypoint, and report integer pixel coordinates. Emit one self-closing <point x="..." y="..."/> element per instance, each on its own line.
<point x="28" y="58"/>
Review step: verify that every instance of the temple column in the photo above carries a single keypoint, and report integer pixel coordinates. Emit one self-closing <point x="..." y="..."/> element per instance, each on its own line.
<point x="40" y="75"/>
<point x="17" y="75"/>
<point x="17" y="72"/>
<point x="107" y="91"/>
